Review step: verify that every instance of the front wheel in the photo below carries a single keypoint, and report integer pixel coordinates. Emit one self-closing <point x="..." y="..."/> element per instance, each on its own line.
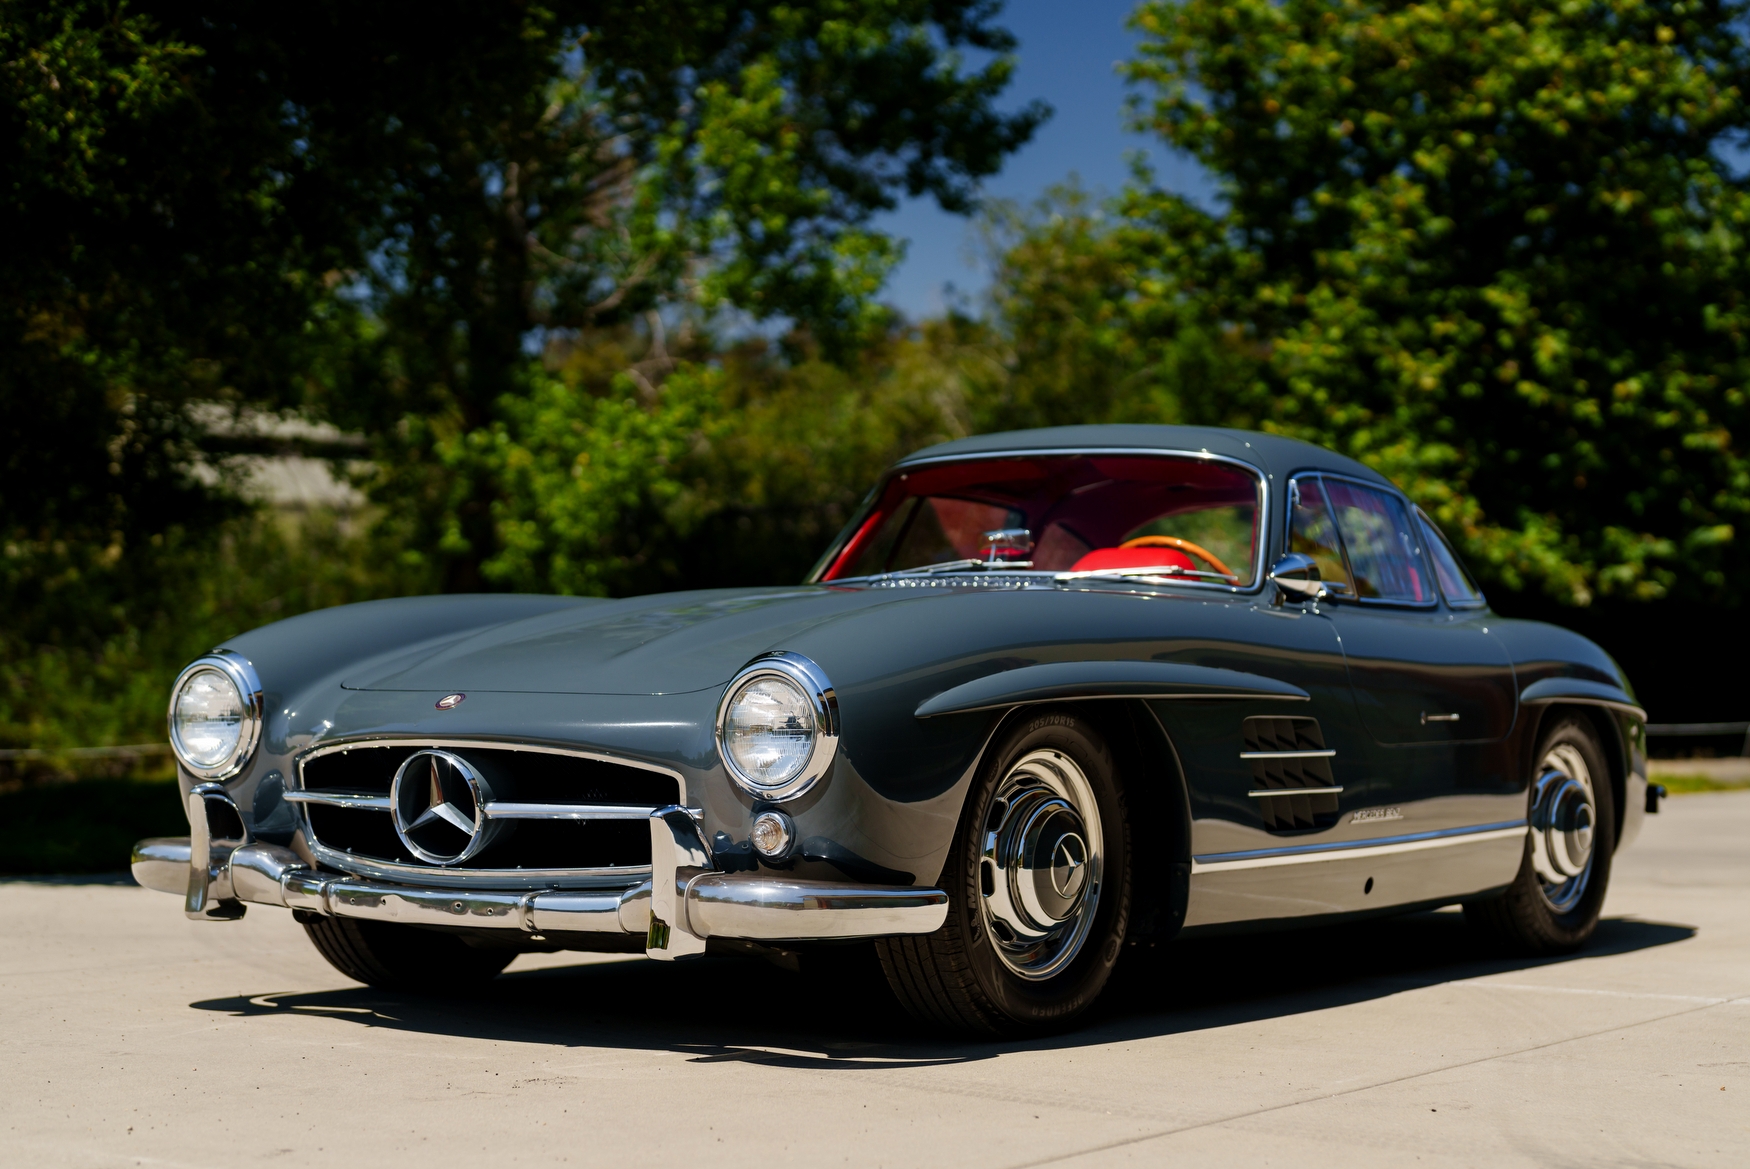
<point x="1553" y="905"/>
<point x="1038" y="882"/>
<point x="391" y="956"/>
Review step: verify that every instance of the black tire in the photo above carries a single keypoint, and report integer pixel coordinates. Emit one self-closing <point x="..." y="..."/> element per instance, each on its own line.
<point x="955" y="978"/>
<point x="1524" y="919"/>
<point x="403" y="957"/>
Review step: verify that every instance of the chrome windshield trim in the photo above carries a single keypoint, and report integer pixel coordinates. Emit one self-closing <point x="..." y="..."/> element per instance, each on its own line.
<point x="1259" y="858"/>
<point x="1261" y="524"/>
<point x="339" y="800"/>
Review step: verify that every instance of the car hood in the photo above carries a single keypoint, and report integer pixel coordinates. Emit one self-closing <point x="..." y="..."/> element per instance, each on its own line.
<point x="665" y="644"/>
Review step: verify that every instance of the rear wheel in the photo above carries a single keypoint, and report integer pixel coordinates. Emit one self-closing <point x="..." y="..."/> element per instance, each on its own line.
<point x="1038" y="882"/>
<point x="1554" y="903"/>
<point x="402" y="957"/>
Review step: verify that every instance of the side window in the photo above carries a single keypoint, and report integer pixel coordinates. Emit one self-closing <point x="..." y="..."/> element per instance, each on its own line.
<point x="1312" y="532"/>
<point x="1385" y="552"/>
<point x="1455" y="582"/>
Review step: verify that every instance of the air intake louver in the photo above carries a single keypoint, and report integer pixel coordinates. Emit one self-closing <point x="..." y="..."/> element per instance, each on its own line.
<point x="1288" y="755"/>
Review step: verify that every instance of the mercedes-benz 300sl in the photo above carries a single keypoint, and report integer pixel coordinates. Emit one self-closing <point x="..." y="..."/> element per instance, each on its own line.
<point x="1049" y="696"/>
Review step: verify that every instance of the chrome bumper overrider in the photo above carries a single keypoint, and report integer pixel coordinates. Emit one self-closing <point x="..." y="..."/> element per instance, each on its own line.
<point x="686" y="901"/>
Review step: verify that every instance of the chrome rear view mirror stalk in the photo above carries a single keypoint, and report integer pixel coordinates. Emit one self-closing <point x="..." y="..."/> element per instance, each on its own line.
<point x="1297" y="573"/>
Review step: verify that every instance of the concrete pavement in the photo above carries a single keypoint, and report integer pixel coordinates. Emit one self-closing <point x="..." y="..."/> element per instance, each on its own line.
<point x="133" y="1036"/>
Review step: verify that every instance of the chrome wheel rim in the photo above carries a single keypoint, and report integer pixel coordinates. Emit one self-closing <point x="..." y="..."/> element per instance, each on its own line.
<point x="1564" y="823"/>
<point x="1040" y="868"/>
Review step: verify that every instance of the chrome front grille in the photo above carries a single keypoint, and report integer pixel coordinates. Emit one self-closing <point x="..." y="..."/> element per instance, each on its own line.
<point x="1291" y="773"/>
<point x="555" y="816"/>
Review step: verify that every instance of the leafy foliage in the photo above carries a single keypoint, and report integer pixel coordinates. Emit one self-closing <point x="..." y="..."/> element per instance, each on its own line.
<point x="1493" y="249"/>
<point x="733" y="471"/>
<point x="385" y="220"/>
<point x="613" y="160"/>
<point x="105" y="679"/>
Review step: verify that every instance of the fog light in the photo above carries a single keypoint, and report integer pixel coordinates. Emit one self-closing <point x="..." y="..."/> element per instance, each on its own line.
<point x="772" y="834"/>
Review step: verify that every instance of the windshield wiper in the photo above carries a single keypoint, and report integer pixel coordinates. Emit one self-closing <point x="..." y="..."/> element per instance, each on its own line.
<point x="945" y="566"/>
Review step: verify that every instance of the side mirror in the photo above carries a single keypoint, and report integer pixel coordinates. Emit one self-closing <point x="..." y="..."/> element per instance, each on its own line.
<point x="1298" y="573"/>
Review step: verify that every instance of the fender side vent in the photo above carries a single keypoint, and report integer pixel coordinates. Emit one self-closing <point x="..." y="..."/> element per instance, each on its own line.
<point x="1289" y="755"/>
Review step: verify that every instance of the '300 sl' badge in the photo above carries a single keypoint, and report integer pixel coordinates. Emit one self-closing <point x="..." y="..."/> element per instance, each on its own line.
<point x="1367" y="814"/>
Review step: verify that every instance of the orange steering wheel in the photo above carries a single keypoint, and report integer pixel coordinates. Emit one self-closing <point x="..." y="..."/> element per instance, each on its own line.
<point x="1196" y="550"/>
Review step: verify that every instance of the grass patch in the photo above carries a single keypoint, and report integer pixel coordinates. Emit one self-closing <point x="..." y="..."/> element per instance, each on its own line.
<point x="86" y="826"/>
<point x="1680" y="785"/>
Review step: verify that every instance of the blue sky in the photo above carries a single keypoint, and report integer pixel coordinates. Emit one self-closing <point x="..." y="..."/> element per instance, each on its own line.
<point x="1067" y="53"/>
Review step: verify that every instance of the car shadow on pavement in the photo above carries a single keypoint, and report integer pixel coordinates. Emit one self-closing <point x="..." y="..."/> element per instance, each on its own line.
<point x="837" y="1012"/>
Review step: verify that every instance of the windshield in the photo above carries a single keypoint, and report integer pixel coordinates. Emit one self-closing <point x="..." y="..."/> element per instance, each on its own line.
<point x="1185" y="517"/>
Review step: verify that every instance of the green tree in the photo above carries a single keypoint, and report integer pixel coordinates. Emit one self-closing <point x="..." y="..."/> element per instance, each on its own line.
<point x="600" y="162"/>
<point x="1100" y="314"/>
<point x="737" y="470"/>
<point x="385" y="214"/>
<point x="1495" y="249"/>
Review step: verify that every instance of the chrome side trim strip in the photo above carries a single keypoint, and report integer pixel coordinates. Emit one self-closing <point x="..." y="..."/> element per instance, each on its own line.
<point x="340" y="800"/>
<point x="506" y="810"/>
<point x="1327" y="754"/>
<point x="1354" y="849"/>
<point x="1296" y="791"/>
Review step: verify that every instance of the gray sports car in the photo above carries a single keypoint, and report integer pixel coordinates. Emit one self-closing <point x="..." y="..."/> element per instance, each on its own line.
<point x="1051" y="694"/>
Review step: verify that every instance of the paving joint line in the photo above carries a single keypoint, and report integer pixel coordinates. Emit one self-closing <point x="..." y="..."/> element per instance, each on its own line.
<point x="1404" y="1079"/>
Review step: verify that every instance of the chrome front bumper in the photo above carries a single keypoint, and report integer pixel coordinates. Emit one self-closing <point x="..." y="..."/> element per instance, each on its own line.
<point x="686" y="901"/>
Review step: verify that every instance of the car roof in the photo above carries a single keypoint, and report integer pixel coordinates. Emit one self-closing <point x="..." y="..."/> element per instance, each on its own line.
<point x="1271" y="453"/>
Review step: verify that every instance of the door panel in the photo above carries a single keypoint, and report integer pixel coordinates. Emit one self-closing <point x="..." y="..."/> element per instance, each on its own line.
<point x="1222" y="768"/>
<point x="1422" y="678"/>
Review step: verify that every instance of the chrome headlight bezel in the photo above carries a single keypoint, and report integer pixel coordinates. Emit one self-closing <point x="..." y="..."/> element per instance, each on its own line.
<point x="812" y="681"/>
<point x="235" y="667"/>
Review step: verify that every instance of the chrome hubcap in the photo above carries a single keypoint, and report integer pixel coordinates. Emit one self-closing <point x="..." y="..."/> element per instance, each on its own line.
<point x="1039" y="875"/>
<point x="1564" y="814"/>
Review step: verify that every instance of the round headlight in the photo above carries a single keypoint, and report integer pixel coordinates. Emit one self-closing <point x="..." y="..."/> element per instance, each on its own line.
<point x="777" y="727"/>
<point x="215" y="716"/>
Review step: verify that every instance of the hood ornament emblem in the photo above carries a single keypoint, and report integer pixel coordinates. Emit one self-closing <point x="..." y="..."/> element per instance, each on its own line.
<point x="450" y="701"/>
<point x="438" y="801"/>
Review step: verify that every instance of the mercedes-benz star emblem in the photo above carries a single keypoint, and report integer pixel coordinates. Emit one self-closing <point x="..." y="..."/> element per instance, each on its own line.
<point x="438" y="800"/>
<point x="450" y="701"/>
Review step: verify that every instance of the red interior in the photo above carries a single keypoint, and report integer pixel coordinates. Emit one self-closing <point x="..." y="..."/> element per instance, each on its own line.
<point x="1108" y="558"/>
